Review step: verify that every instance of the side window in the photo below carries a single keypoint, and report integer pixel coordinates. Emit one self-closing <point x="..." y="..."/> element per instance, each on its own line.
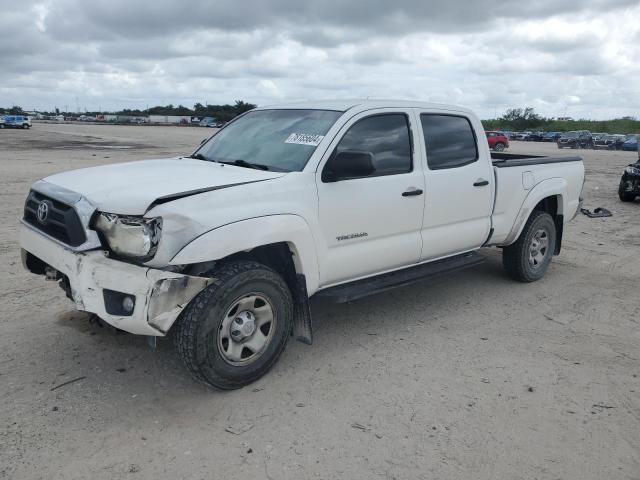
<point x="449" y="140"/>
<point x="386" y="137"/>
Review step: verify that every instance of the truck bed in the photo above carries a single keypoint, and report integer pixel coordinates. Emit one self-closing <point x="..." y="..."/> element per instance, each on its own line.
<point x="505" y="160"/>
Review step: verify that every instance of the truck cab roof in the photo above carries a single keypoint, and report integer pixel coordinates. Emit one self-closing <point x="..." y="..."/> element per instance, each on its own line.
<point x="358" y="105"/>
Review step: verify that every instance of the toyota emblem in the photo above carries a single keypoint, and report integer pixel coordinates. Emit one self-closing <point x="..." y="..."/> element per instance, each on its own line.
<point x="43" y="212"/>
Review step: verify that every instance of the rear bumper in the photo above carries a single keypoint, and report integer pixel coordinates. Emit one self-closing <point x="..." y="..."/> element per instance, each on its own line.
<point x="159" y="295"/>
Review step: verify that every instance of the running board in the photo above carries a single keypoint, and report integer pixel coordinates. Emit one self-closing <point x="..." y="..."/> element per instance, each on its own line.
<point x="348" y="292"/>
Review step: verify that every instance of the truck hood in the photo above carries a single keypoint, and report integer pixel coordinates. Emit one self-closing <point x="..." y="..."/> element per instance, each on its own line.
<point x="131" y="188"/>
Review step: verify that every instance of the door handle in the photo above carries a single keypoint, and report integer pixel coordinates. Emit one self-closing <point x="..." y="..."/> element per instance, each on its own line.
<point x="412" y="193"/>
<point x="481" y="182"/>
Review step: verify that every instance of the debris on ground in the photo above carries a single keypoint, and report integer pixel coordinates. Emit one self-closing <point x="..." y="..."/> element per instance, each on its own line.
<point x="68" y="383"/>
<point x="359" y="426"/>
<point x="239" y="429"/>
<point x="597" y="212"/>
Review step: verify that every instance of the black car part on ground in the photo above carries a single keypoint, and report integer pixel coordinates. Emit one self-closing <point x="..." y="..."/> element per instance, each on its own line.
<point x="629" y="187"/>
<point x="597" y="212"/>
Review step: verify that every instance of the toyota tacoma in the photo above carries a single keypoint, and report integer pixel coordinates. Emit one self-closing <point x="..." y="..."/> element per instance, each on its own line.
<point x="335" y="199"/>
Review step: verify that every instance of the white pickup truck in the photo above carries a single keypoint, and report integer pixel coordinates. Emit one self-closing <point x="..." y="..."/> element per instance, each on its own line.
<point x="336" y="199"/>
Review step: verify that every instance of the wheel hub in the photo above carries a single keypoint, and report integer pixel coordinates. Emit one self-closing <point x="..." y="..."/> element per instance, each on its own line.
<point x="246" y="329"/>
<point x="538" y="248"/>
<point x="242" y="326"/>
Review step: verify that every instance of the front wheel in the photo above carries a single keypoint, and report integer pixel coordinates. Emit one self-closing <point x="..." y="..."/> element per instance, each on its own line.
<point x="527" y="260"/>
<point x="233" y="332"/>
<point x="499" y="147"/>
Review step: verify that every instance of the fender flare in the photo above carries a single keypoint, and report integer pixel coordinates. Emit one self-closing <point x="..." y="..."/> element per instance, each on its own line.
<point x="248" y="234"/>
<point x="550" y="187"/>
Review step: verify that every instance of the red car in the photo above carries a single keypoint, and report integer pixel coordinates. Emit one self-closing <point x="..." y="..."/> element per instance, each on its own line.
<point x="498" y="141"/>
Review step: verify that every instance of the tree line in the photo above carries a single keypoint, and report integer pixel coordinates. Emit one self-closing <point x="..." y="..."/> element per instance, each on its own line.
<point x="519" y="119"/>
<point x="220" y="112"/>
<point x="514" y="119"/>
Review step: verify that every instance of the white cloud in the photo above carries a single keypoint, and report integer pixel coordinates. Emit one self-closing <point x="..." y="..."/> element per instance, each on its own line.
<point x="582" y="57"/>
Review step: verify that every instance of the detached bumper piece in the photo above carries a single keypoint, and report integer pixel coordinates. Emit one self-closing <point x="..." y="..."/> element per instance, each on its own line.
<point x="133" y="298"/>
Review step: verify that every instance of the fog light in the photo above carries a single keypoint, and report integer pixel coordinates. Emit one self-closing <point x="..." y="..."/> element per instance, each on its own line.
<point x="128" y="304"/>
<point x="119" y="303"/>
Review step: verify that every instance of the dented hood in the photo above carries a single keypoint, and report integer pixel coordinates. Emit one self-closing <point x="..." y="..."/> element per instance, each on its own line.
<point x="131" y="188"/>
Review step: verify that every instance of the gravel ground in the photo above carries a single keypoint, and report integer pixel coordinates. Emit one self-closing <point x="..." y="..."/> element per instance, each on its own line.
<point x="470" y="376"/>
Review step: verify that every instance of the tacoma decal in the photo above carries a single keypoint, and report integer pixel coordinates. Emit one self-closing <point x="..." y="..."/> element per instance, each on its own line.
<point x="351" y="236"/>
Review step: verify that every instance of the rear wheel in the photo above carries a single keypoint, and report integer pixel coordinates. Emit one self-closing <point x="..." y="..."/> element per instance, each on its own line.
<point x="233" y="332"/>
<point x="527" y="260"/>
<point x="499" y="147"/>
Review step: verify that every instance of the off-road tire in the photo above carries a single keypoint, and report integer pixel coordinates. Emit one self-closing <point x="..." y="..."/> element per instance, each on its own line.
<point x="197" y="329"/>
<point x="515" y="257"/>
<point x="624" y="196"/>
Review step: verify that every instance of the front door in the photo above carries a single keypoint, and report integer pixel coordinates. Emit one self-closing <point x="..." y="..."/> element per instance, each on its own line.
<point x="371" y="223"/>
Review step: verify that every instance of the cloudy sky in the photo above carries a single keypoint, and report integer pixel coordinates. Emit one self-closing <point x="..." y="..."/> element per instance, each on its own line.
<point x="579" y="57"/>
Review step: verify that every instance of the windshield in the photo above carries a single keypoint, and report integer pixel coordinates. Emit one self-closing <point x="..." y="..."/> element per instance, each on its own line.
<point x="571" y="134"/>
<point x="279" y="140"/>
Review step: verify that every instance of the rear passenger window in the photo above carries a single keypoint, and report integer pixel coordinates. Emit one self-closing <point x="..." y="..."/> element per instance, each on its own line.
<point x="449" y="140"/>
<point x="386" y="137"/>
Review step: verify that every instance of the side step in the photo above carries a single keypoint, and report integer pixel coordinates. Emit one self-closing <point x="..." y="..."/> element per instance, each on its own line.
<point x="369" y="286"/>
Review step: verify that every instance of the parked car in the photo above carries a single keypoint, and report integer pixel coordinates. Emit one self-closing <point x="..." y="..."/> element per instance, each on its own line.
<point x="225" y="247"/>
<point x="535" y="137"/>
<point x="521" y="135"/>
<point x="630" y="143"/>
<point x="1" y="121"/>
<point x="609" y="142"/>
<point x="598" y="136"/>
<point x="551" y="136"/>
<point x="16" y="121"/>
<point x="576" y="139"/>
<point x="498" y="141"/>
<point x="210" y="122"/>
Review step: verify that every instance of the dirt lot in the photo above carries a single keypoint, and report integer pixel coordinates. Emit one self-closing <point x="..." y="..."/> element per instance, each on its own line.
<point x="471" y="376"/>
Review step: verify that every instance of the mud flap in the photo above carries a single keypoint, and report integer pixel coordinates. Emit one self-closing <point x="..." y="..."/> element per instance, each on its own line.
<point x="302" y="328"/>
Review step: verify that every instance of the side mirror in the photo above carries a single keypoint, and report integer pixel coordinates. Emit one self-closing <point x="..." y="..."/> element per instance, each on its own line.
<point x="348" y="164"/>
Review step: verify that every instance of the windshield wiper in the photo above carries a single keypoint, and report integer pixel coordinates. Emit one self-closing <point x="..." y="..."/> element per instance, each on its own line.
<point x="244" y="163"/>
<point x="198" y="156"/>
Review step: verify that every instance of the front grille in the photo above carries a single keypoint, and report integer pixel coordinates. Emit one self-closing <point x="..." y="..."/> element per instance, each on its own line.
<point x="62" y="221"/>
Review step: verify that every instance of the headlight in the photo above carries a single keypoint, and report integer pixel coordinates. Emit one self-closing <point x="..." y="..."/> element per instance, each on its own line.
<point x="632" y="170"/>
<point x="130" y="236"/>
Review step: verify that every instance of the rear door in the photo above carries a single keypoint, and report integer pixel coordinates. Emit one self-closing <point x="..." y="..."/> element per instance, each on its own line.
<point x="459" y="185"/>
<point x="372" y="224"/>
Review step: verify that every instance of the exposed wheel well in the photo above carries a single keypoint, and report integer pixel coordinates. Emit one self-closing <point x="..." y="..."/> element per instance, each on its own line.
<point x="553" y="206"/>
<point x="282" y="258"/>
<point x="278" y="256"/>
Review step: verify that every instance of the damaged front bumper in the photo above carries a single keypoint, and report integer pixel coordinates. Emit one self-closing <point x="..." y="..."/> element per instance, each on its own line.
<point x="97" y="284"/>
